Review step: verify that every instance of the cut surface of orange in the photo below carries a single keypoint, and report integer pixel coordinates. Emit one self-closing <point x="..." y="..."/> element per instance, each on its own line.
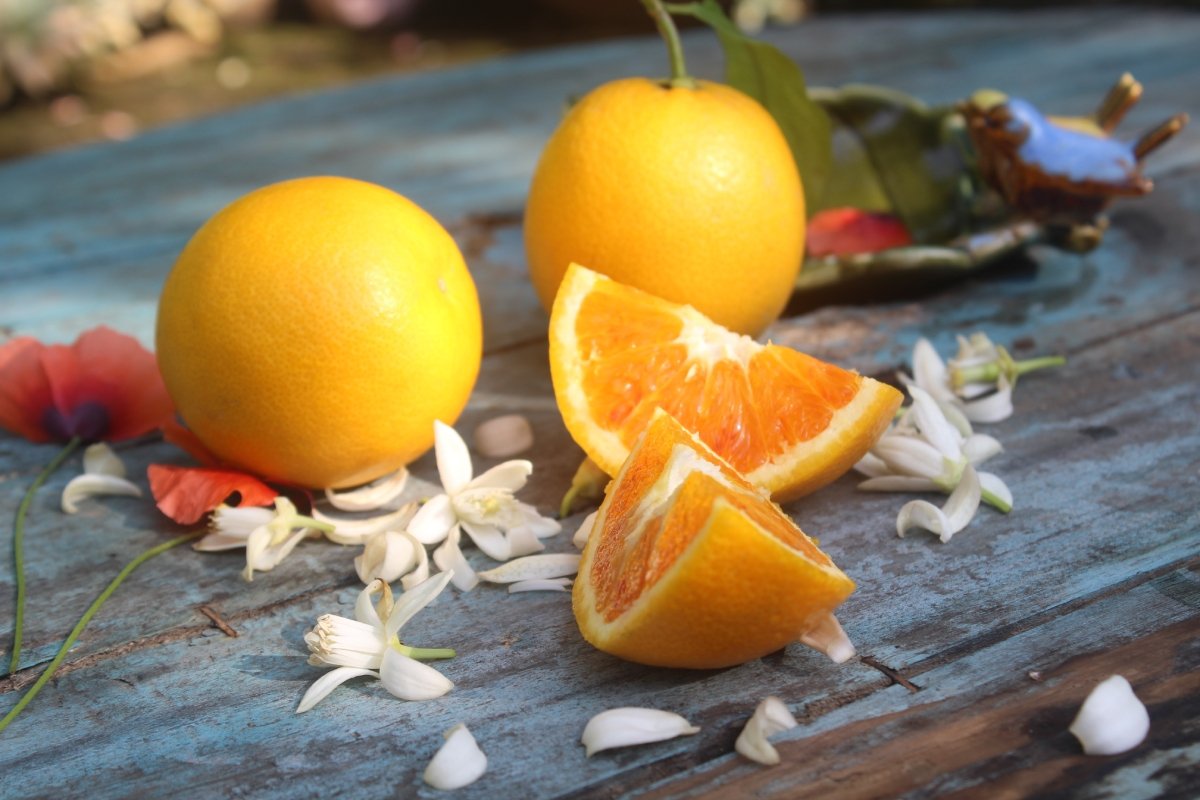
<point x="689" y="565"/>
<point x="788" y="422"/>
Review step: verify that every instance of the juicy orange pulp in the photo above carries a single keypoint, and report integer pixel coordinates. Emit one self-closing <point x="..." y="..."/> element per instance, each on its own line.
<point x="688" y="565"/>
<point x="788" y="421"/>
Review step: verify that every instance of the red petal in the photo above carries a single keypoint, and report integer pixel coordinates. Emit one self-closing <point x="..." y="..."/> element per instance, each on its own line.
<point x="847" y="231"/>
<point x="185" y="494"/>
<point x="188" y="442"/>
<point x="24" y="389"/>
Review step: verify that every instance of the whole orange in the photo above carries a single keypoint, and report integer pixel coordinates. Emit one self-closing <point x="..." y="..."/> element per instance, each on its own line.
<point x="689" y="193"/>
<point x="312" y="331"/>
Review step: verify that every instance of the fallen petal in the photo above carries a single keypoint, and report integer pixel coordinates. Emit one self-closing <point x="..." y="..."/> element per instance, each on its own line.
<point x="963" y="502"/>
<point x="327" y="683"/>
<point x="372" y="496"/>
<point x="979" y="447"/>
<point x="1111" y="720"/>
<point x="898" y="483"/>
<point x="921" y="514"/>
<point x="453" y="458"/>
<point x="830" y="638"/>
<point x="769" y="718"/>
<point x="501" y="437"/>
<point x="458" y="763"/>
<point x="99" y="459"/>
<point x="541" y="585"/>
<point x="995" y="492"/>
<point x="872" y="466"/>
<point x="907" y="455"/>
<point x="421" y="572"/>
<point x="83" y="486"/>
<point x="410" y="679"/>
<point x="358" y="531"/>
<point x="185" y="494"/>
<point x="449" y="558"/>
<point x="585" y="530"/>
<point x="621" y="727"/>
<point x="550" y="565"/>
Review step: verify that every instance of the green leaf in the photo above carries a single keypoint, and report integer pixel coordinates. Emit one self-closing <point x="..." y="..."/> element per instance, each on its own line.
<point x="763" y="72"/>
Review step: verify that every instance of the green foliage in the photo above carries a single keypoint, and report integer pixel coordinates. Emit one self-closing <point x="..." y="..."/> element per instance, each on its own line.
<point x="763" y="72"/>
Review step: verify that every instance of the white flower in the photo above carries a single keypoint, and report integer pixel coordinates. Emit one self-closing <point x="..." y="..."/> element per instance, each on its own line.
<point x="103" y="474"/>
<point x="369" y="645"/>
<point x="268" y="535"/>
<point x="978" y="382"/>
<point x="769" y="718"/>
<point x="620" y="727"/>
<point x="484" y="506"/>
<point x="1111" y="720"/>
<point x="458" y="763"/>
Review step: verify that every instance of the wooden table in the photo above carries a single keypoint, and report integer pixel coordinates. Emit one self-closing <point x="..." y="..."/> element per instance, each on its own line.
<point x="974" y="655"/>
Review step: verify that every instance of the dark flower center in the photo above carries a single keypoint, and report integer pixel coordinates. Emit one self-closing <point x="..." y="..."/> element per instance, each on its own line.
<point x="88" y="421"/>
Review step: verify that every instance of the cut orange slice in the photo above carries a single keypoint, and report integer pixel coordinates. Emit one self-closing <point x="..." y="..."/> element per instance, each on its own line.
<point x="788" y="422"/>
<point x="688" y="565"/>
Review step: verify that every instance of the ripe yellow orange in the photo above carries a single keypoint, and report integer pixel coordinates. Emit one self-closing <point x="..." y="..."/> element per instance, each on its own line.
<point x="312" y="331"/>
<point x="688" y="565"/>
<point x="690" y="194"/>
<point x="788" y="422"/>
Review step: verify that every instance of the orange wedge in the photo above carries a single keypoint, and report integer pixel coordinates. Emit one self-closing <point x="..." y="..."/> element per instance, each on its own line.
<point x="788" y="422"/>
<point x="688" y="565"/>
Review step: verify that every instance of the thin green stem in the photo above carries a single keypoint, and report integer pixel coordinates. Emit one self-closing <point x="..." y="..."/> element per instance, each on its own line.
<point x="670" y="35"/>
<point x="45" y="677"/>
<point x="19" y="547"/>
<point x="1039" y="363"/>
<point x="424" y="653"/>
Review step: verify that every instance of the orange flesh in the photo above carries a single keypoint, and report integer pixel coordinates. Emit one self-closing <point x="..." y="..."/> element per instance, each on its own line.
<point x="748" y="412"/>
<point x="621" y="573"/>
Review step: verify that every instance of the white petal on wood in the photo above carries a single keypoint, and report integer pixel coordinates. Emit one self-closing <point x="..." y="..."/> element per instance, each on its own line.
<point x="963" y="502"/>
<point x="449" y="558"/>
<point x="872" y="466"/>
<point x="769" y="718"/>
<point x="621" y="727"/>
<point x="523" y="541"/>
<point x="84" y="486"/>
<point x="585" y="530"/>
<point x="549" y="565"/>
<point x="1112" y="719"/>
<point x="357" y="531"/>
<point x="921" y="514"/>
<point x="898" y="483"/>
<point x="99" y="459"/>
<point x="995" y="492"/>
<point x="830" y="638"/>
<point x="979" y="447"/>
<point x="372" y="496"/>
<point x="327" y="683"/>
<point x="503" y="436"/>
<point x="453" y="459"/>
<point x="907" y="455"/>
<point x="421" y="572"/>
<point x="410" y="679"/>
<point x="458" y="763"/>
<point x="544" y="585"/>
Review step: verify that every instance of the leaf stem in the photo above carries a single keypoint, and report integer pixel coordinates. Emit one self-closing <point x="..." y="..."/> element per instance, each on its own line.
<point x="670" y="35"/>
<point x="19" y="546"/>
<point x="44" y="678"/>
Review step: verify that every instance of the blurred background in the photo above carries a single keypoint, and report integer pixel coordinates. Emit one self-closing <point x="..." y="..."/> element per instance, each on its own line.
<point x="73" y="71"/>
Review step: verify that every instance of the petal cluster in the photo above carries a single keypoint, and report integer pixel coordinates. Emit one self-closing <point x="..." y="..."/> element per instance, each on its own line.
<point x="103" y="387"/>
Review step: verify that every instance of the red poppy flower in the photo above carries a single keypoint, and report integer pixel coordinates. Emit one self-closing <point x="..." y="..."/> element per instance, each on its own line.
<point x="185" y="494"/>
<point x="105" y="386"/>
<point x="848" y="231"/>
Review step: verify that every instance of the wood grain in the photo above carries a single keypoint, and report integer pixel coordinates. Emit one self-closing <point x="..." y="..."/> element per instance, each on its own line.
<point x="1093" y="572"/>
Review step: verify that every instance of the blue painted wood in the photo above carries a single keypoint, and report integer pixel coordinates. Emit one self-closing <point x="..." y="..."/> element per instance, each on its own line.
<point x="1101" y="457"/>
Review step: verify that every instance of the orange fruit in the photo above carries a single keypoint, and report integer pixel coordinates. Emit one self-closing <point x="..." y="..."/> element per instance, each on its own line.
<point x="691" y="194"/>
<point x="688" y="565"/>
<point x="785" y="420"/>
<point x="312" y="331"/>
